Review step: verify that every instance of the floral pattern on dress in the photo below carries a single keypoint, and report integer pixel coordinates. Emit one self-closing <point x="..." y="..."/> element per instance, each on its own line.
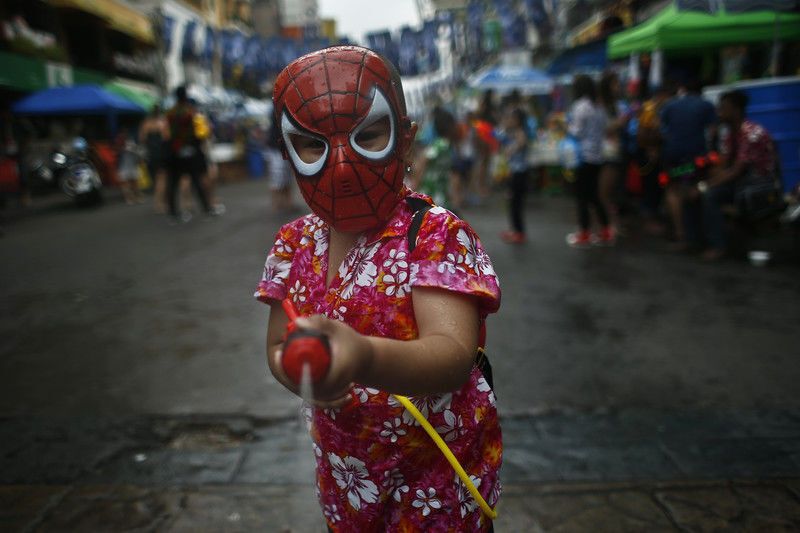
<point x="377" y="469"/>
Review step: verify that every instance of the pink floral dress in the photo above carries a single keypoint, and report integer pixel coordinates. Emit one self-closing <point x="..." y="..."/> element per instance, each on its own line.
<point x="377" y="469"/>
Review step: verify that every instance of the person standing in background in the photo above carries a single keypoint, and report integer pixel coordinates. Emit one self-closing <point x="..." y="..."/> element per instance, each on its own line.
<point x="486" y="145"/>
<point x="153" y="136"/>
<point x="128" y="167"/>
<point x="685" y="121"/>
<point x="185" y="150"/>
<point x="618" y="115"/>
<point x="514" y="140"/>
<point x="434" y="172"/>
<point x="648" y="158"/>
<point x="587" y="123"/>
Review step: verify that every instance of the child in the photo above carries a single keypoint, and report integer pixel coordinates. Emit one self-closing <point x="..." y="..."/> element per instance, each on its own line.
<point x="399" y="320"/>
<point x="128" y="159"/>
<point x="435" y="166"/>
<point x="515" y="147"/>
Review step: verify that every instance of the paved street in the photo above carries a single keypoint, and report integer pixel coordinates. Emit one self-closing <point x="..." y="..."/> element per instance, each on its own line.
<point x="640" y="390"/>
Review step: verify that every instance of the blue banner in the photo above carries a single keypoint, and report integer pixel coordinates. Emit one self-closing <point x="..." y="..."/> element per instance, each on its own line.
<point x="210" y="45"/>
<point x="234" y="48"/>
<point x="252" y="52"/>
<point x="167" y="31"/>
<point x="187" y="46"/>
<point x="407" y="57"/>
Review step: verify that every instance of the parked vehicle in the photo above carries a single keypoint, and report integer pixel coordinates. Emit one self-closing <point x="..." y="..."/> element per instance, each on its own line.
<point x="72" y="172"/>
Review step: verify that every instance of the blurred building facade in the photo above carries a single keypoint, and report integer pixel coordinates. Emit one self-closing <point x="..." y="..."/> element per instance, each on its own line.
<point x="65" y="42"/>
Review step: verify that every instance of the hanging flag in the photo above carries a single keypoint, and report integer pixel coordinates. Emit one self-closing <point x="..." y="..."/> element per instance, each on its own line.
<point x="407" y="56"/>
<point x="210" y="44"/>
<point x="187" y="47"/>
<point x="167" y="30"/>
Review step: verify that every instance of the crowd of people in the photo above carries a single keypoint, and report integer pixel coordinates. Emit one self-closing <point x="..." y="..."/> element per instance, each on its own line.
<point x="673" y="160"/>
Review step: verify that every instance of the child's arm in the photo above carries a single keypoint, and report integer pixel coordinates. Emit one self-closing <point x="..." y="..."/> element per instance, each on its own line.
<point x="438" y="361"/>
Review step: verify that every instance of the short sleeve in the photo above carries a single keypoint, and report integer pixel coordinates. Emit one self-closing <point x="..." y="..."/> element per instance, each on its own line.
<point x="278" y="265"/>
<point x="448" y="255"/>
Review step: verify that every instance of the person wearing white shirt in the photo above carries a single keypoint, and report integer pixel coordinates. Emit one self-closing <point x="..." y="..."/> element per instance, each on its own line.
<point x="587" y="124"/>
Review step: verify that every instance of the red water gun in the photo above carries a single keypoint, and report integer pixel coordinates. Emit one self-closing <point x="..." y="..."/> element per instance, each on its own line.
<point x="303" y="347"/>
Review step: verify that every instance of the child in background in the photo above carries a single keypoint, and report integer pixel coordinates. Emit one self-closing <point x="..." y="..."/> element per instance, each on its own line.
<point x="128" y="159"/>
<point x="400" y="319"/>
<point x="514" y="140"/>
<point x="435" y="166"/>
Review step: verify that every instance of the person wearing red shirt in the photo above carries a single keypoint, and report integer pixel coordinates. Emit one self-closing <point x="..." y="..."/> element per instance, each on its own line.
<point x="748" y="157"/>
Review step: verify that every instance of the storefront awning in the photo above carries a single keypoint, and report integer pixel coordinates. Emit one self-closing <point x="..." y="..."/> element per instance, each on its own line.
<point x="119" y="17"/>
<point x="590" y="57"/>
<point x="672" y="29"/>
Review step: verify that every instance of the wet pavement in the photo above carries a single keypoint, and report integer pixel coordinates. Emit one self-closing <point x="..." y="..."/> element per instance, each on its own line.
<point x="640" y="390"/>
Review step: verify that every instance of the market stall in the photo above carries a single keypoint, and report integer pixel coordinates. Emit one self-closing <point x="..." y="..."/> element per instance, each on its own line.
<point x="674" y="29"/>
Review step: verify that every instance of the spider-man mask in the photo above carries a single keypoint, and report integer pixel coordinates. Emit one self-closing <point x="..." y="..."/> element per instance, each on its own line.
<point x="329" y="98"/>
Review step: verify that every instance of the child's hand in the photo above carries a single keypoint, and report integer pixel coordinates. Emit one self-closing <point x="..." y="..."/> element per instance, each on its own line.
<point x="351" y="354"/>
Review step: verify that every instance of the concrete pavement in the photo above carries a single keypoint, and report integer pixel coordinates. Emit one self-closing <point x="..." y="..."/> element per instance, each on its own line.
<point x="649" y="392"/>
<point x="638" y="470"/>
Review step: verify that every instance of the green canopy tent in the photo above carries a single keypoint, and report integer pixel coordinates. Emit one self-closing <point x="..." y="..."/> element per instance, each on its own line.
<point x="675" y="30"/>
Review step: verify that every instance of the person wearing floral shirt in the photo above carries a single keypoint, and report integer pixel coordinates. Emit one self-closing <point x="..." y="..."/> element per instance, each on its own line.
<point x="400" y="318"/>
<point x="748" y="157"/>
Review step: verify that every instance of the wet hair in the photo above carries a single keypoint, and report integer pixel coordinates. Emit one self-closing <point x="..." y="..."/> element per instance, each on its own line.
<point x="583" y="86"/>
<point x="737" y="99"/>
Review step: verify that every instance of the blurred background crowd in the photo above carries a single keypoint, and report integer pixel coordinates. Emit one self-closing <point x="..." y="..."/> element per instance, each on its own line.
<point x="678" y="117"/>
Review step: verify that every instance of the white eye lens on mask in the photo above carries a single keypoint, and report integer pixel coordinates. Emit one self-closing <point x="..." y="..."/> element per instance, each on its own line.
<point x="380" y="109"/>
<point x="288" y="128"/>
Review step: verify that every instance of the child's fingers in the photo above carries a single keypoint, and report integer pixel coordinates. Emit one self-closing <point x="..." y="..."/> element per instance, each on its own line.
<point x="316" y="322"/>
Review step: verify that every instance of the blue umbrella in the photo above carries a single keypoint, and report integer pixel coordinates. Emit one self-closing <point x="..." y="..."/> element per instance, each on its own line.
<point x="526" y="80"/>
<point x="75" y="100"/>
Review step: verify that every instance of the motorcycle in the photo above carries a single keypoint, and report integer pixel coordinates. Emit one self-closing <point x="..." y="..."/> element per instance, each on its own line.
<point x="73" y="173"/>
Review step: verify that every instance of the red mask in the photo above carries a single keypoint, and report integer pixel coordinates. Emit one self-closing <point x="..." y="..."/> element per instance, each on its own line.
<point x="331" y="95"/>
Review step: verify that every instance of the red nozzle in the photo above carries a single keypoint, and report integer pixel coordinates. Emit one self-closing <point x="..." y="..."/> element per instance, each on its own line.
<point x="304" y="348"/>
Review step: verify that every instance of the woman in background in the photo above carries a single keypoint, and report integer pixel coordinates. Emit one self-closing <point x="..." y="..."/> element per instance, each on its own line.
<point x="153" y="134"/>
<point x="587" y="123"/>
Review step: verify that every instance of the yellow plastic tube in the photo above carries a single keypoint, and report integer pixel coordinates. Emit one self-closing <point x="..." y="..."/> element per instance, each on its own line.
<point x="442" y="445"/>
